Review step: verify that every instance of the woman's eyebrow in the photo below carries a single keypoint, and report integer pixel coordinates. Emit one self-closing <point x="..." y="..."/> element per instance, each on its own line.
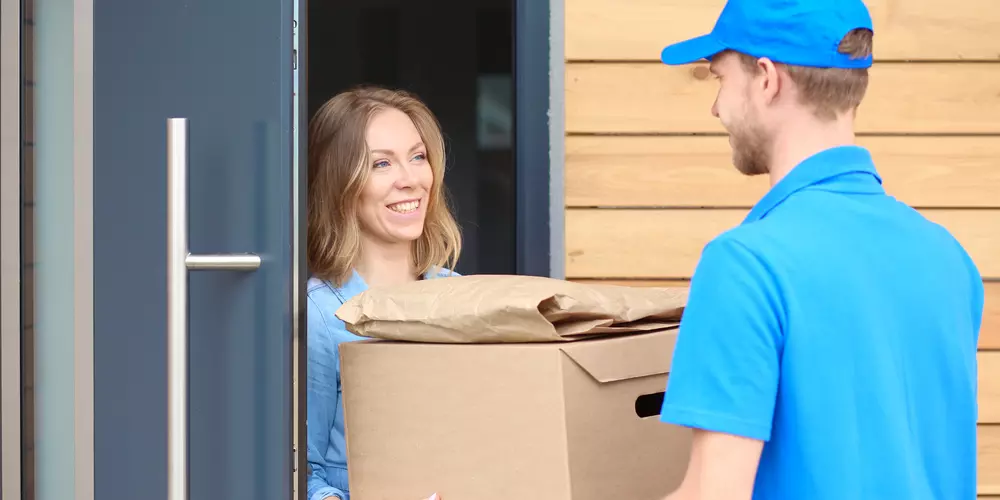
<point x="390" y="152"/>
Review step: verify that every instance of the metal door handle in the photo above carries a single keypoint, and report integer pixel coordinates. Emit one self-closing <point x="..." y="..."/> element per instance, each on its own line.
<point x="179" y="261"/>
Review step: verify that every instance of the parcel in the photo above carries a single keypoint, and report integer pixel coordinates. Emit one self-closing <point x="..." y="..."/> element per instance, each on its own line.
<point x="500" y="308"/>
<point x="493" y="388"/>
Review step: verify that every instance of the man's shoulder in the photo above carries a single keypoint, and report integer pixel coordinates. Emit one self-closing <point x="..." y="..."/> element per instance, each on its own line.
<point x="947" y="239"/>
<point x="936" y="239"/>
<point x="755" y="238"/>
<point x="746" y="255"/>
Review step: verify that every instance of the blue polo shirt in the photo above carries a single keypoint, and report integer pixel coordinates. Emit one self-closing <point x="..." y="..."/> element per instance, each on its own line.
<point x="839" y="326"/>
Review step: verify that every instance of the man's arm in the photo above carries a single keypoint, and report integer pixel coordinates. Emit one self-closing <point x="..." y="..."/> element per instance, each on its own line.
<point x="725" y="371"/>
<point x="722" y="467"/>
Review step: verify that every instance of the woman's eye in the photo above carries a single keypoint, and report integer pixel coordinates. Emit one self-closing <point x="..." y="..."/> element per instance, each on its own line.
<point x="381" y="164"/>
<point x="420" y="157"/>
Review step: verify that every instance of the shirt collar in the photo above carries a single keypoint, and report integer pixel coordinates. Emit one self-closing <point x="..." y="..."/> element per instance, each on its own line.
<point x="355" y="285"/>
<point x="832" y="166"/>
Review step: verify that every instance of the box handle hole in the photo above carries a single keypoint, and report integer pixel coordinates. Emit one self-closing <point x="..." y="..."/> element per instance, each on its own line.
<point x="649" y="405"/>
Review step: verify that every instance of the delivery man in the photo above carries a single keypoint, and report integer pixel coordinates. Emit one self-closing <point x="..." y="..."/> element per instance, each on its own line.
<point x="828" y="349"/>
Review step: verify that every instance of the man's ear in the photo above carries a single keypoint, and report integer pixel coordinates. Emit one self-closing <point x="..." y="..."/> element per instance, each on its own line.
<point x="768" y="79"/>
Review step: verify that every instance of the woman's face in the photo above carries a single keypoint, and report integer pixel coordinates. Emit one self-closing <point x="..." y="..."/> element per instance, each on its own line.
<point x="394" y="200"/>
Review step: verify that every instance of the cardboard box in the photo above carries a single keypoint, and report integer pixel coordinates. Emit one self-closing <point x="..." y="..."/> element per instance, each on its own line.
<point x="541" y="421"/>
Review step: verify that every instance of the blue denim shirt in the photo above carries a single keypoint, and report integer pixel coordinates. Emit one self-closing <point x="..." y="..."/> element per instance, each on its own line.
<point x="327" y="453"/>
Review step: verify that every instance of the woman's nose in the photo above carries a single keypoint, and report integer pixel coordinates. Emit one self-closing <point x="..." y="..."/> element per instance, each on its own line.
<point x="404" y="176"/>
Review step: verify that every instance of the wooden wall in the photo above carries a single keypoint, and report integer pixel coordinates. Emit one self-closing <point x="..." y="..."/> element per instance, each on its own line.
<point x="648" y="176"/>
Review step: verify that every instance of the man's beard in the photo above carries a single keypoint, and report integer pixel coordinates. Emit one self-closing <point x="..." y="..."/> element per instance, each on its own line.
<point x="751" y="148"/>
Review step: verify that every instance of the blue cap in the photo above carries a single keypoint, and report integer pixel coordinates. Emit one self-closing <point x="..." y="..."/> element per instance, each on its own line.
<point x="796" y="32"/>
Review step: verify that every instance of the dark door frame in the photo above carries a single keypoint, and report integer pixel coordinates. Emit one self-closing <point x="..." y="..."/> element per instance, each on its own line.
<point x="537" y="182"/>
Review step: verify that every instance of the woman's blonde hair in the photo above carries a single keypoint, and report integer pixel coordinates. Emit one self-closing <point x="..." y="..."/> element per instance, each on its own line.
<point x="339" y="167"/>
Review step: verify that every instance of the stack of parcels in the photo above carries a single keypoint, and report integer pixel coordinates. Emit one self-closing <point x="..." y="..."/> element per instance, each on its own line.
<point x="511" y="387"/>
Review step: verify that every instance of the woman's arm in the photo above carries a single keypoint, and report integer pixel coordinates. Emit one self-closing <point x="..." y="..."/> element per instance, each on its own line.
<point x="322" y="380"/>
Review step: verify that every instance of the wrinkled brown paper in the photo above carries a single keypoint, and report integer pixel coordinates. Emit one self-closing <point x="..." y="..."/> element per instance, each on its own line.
<point x="509" y="308"/>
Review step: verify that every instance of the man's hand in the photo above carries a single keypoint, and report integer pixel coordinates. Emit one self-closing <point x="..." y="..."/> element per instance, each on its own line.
<point x="722" y="467"/>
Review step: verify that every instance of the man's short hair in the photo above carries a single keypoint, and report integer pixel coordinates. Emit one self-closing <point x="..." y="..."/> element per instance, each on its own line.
<point x="830" y="90"/>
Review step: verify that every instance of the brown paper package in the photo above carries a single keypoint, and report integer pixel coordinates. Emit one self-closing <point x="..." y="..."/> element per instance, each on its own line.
<point x="509" y="308"/>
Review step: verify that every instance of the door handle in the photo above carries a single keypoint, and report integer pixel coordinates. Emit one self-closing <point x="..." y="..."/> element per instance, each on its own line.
<point x="179" y="262"/>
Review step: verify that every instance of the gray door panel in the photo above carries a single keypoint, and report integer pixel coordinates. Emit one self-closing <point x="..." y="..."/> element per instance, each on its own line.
<point x="226" y="66"/>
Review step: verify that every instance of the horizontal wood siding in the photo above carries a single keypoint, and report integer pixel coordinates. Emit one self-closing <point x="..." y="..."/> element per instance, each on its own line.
<point x="989" y="339"/>
<point x="989" y="460"/>
<point x="652" y="98"/>
<point x="910" y="30"/>
<point x="616" y="171"/>
<point x="666" y="242"/>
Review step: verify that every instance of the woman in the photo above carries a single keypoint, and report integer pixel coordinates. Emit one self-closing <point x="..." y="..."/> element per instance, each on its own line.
<point x="376" y="217"/>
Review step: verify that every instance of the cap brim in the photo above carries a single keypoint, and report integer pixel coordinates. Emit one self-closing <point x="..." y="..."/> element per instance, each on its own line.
<point x="689" y="51"/>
